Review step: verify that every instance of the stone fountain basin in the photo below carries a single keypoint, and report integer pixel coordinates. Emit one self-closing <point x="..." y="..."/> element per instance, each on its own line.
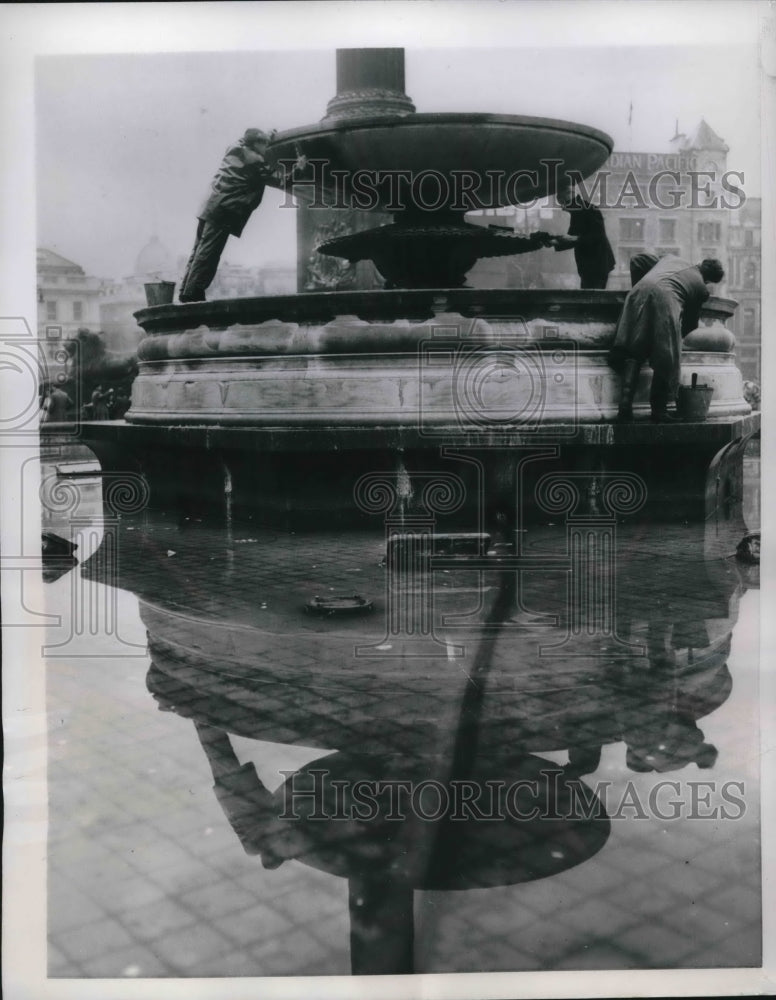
<point x="483" y="359"/>
<point x="518" y="150"/>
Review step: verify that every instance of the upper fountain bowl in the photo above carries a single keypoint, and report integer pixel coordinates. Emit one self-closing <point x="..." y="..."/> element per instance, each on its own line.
<point x="438" y="162"/>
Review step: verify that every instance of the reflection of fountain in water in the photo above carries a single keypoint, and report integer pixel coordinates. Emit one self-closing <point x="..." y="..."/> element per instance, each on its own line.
<point x="214" y="661"/>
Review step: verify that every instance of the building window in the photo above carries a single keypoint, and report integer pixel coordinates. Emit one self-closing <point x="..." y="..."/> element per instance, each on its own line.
<point x="748" y="238"/>
<point x="625" y="254"/>
<point x="750" y="275"/>
<point x="631" y="229"/>
<point x="51" y="310"/>
<point x="710" y="232"/>
<point x="78" y="310"/>
<point x="667" y="230"/>
<point x="748" y="330"/>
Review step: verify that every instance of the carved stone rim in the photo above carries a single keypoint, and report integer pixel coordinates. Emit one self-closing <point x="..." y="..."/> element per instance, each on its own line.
<point x="387" y="306"/>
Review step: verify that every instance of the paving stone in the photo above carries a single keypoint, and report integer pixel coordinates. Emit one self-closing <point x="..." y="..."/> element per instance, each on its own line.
<point x="597" y="955"/>
<point x="157" y="918"/>
<point x="218" y="899"/>
<point x="58" y="963"/>
<point x="602" y="914"/>
<point x="136" y="962"/>
<point x="649" y="940"/>
<point x="94" y="938"/>
<point x="184" y="876"/>
<point x="236" y="963"/>
<point x="125" y="895"/>
<point x="189" y="947"/>
<point x="255" y="924"/>
<point x="69" y="909"/>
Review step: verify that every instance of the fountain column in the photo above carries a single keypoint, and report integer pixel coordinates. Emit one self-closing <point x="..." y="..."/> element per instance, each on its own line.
<point x="370" y="83"/>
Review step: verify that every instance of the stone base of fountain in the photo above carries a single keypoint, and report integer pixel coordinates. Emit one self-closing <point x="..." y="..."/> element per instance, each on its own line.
<point x="303" y="478"/>
<point x="435" y="361"/>
<point x="500" y="390"/>
<point x="277" y="407"/>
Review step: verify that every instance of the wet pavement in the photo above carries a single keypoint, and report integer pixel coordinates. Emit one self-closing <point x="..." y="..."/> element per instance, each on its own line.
<point x="559" y="773"/>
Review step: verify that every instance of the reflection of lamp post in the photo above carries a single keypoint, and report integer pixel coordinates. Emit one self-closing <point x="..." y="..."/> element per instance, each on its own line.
<point x="385" y="861"/>
<point x="382" y="926"/>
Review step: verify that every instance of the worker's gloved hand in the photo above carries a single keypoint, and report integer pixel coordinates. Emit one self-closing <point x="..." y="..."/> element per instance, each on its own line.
<point x="301" y="159"/>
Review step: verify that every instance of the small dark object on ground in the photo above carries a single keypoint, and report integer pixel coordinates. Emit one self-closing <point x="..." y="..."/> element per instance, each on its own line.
<point x="58" y="557"/>
<point x="338" y="604"/>
<point x="748" y="549"/>
<point x="55" y="547"/>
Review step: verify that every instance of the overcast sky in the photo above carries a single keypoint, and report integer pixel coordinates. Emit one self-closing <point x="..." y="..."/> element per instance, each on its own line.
<point x="126" y="144"/>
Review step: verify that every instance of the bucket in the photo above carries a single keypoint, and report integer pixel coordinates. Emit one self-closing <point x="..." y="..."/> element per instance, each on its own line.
<point x="160" y="293"/>
<point x="693" y="401"/>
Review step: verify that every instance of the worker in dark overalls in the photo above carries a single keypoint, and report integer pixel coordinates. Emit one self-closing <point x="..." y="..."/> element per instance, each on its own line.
<point x="587" y="237"/>
<point x="659" y="311"/>
<point x="236" y="192"/>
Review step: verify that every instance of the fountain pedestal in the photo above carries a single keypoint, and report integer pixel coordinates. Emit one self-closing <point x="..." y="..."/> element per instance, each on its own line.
<point x="277" y="406"/>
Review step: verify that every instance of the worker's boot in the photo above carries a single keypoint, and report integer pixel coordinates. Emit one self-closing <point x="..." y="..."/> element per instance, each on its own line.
<point x="629" y="377"/>
<point x="660" y="414"/>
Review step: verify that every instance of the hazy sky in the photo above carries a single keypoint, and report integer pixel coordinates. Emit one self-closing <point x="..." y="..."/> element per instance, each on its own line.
<point x="126" y="144"/>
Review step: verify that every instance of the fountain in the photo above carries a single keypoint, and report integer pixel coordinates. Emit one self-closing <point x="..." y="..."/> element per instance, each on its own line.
<point x="346" y="382"/>
<point x="389" y="598"/>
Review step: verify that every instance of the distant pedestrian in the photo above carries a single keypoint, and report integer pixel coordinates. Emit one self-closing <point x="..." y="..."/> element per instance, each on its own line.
<point x="56" y="404"/>
<point x="99" y="405"/>
<point x="122" y="404"/>
<point x="587" y="236"/>
<point x="660" y="309"/>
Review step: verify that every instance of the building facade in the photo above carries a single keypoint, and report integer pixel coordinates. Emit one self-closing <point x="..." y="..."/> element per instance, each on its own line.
<point x="68" y="299"/>
<point x="744" y="284"/>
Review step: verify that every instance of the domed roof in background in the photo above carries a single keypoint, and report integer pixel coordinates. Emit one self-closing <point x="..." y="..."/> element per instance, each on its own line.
<point x="154" y="260"/>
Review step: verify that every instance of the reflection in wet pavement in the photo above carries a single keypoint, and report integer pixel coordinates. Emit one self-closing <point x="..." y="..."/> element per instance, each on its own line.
<point x="251" y="798"/>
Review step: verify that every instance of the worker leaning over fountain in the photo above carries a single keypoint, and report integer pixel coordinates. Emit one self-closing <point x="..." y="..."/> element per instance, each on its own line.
<point x="659" y="311"/>
<point x="236" y="192"/>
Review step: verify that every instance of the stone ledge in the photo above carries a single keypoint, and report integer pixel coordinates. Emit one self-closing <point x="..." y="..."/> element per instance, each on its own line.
<point x="712" y="433"/>
<point x="411" y="304"/>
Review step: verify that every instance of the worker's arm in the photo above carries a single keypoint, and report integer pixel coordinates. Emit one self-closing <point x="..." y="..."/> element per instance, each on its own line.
<point x="564" y="242"/>
<point x="691" y="316"/>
